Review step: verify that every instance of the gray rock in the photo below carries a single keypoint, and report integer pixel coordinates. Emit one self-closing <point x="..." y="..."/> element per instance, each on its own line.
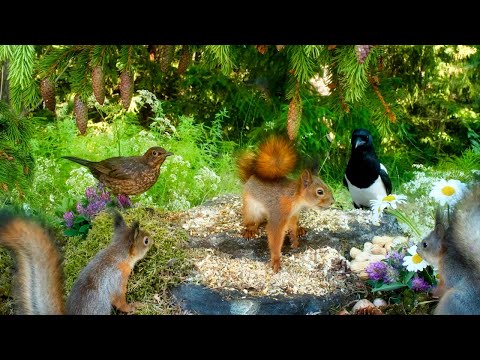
<point x="202" y="300"/>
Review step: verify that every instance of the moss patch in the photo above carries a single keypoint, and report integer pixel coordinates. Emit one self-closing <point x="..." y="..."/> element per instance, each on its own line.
<point x="6" y="271"/>
<point x="165" y="264"/>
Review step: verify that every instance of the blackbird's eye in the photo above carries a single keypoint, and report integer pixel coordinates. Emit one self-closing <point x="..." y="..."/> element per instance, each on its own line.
<point x="319" y="192"/>
<point x="146" y="240"/>
<point x="154" y="153"/>
<point x="424" y="244"/>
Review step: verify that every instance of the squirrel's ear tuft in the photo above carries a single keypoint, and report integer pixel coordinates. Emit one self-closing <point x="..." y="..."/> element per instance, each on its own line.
<point x="439" y="224"/>
<point x="135" y="229"/>
<point x="118" y="221"/>
<point x="306" y="178"/>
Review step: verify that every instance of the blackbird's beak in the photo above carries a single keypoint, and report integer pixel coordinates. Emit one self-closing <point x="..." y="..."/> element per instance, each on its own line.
<point x="359" y="142"/>
<point x="169" y="153"/>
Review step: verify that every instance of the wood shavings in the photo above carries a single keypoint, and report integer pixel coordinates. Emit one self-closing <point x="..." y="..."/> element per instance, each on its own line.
<point x="307" y="272"/>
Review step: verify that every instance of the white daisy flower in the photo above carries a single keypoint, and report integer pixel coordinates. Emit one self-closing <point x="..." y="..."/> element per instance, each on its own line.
<point x="381" y="203"/>
<point x="447" y="192"/>
<point x="414" y="262"/>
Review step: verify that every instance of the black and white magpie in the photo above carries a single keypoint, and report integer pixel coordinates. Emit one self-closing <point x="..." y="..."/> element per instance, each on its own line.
<point x="365" y="177"/>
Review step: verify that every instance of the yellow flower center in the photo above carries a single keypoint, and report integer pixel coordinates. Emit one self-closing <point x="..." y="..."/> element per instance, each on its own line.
<point x="388" y="198"/>
<point x="448" y="190"/>
<point x="416" y="259"/>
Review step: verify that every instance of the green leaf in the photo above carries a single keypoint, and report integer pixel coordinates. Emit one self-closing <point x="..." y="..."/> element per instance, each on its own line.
<point x="408" y="276"/>
<point x="79" y="219"/>
<point x="84" y="228"/>
<point x="70" y="232"/>
<point x="390" y="287"/>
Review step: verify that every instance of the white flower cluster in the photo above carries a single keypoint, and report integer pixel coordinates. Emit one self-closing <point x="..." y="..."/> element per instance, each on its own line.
<point x="160" y="123"/>
<point x="163" y="126"/>
<point x="80" y="178"/>
<point x="420" y="182"/>
<point x="207" y="179"/>
<point x="45" y="173"/>
<point x="147" y="97"/>
<point x="146" y="200"/>
<point x="178" y="201"/>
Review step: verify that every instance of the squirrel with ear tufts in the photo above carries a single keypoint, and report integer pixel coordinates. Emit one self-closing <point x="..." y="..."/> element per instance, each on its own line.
<point x="453" y="247"/>
<point x="102" y="283"/>
<point x="268" y="195"/>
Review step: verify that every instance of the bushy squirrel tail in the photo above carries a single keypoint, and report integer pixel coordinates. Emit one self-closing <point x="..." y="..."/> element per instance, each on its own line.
<point x="276" y="158"/>
<point x="39" y="277"/>
<point x="465" y="229"/>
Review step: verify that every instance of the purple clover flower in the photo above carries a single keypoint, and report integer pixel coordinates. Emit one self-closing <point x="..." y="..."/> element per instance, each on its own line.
<point x="124" y="201"/>
<point x="90" y="193"/>
<point x="94" y="207"/>
<point x="395" y="259"/>
<point x="80" y="209"/>
<point x="68" y="217"/>
<point x="105" y="196"/>
<point x="391" y="275"/>
<point x="419" y="284"/>
<point x="376" y="270"/>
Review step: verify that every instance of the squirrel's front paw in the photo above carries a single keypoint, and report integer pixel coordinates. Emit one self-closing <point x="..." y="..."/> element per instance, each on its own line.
<point x="301" y="231"/>
<point x="129" y="308"/>
<point x="249" y="233"/>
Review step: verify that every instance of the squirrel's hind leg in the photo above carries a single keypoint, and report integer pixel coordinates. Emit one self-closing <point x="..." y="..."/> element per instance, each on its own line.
<point x="276" y="236"/>
<point x="253" y="215"/>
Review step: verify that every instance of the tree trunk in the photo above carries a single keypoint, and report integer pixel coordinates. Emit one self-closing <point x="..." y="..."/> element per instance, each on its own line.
<point x="4" y="82"/>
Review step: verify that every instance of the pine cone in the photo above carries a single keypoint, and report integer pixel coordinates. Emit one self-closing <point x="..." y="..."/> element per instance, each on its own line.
<point x="126" y="88"/>
<point x="166" y="57"/>
<point x="47" y="88"/>
<point x="293" y="118"/>
<point x="152" y="50"/>
<point x="98" y="84"/>
<point x="81" y="114"/>
<point x="185" y="59"/>
<point x="362" y="52"/>
<point x="369" y="310"/>
<point x="262" y="49"/>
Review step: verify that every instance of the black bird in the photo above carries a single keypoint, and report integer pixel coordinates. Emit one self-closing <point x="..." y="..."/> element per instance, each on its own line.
<point x="365" y="177"/>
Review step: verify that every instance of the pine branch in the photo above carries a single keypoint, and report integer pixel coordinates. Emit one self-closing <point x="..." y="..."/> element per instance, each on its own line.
<point x="302" y="62"/>
<point x="125" y="58"/>
<point x="374" y="82"/>
<point x="6" y="52"/>
<point x="222" y="55"/>
<point x="352" y="74"/>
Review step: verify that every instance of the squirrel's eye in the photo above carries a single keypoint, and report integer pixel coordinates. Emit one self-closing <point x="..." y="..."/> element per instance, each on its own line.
<point x="145" y="240"/>
<point x="424" y="244"/>
<point x="319" y="192"/>
<point x="154" y="153"/>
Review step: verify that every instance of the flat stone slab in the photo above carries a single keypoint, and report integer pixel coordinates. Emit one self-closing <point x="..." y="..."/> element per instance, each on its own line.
<point x="198" y="299"/>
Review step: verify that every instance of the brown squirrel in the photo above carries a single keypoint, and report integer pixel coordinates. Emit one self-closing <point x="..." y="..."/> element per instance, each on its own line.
<point x="102" y="283"/>
<point x="269" y="196"/>
<point x="454" y="248"/>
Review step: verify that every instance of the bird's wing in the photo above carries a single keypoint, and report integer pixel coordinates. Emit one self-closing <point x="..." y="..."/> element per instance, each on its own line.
<point x="382" y="167"/>
<point x="385" y="179"/>
<point x="122" y="169"/>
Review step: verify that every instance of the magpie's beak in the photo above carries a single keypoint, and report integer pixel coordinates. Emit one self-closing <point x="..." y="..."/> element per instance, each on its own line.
<point x="359" y="142"/>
